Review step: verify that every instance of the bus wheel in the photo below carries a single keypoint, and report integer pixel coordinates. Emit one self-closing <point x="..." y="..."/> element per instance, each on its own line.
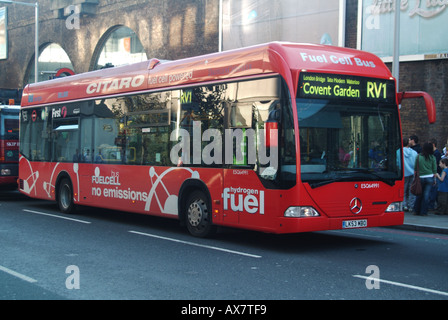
<point x="198" y="215"/>
<point x="65" y="197"/>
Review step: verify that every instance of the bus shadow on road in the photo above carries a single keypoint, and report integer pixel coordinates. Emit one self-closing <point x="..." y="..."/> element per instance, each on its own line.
<point x="11" y="194"/>
<point x="287" y="243"/>
<point x="303" y="242"/>
<point x="357" y="240"/>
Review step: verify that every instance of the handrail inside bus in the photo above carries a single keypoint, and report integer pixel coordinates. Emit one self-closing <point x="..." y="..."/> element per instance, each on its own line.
<point x="429" y="102"/>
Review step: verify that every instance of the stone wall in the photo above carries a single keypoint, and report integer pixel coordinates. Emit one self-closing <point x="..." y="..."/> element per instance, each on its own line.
<point x="168" y="29"/>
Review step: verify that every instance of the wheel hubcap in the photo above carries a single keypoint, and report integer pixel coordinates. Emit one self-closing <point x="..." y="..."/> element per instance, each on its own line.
<point x="65" y="197"/>
<point x="195" y="214"/>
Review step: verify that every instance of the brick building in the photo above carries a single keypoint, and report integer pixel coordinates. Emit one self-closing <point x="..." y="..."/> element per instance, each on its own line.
<point x="169" y="29"/>
<point x="173" y="29"/>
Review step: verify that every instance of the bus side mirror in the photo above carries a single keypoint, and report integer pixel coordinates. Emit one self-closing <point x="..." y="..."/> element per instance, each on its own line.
<point x="271" y="129"/>
<point x="429" y="102"/>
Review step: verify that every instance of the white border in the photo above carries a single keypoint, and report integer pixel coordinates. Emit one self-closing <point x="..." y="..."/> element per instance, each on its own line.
<point x="5" y="10"/>
<point x="342" y="24"/>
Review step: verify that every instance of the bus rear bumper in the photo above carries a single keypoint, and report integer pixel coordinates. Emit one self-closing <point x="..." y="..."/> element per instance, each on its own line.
<point x="8" y="181"/>
<point x="310" y="224"/>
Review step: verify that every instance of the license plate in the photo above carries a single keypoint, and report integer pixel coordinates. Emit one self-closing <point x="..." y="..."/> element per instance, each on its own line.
<point x="354" y="224"/>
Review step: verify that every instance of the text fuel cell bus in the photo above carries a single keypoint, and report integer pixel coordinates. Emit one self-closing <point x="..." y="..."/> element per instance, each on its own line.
<point x="278" y="138"/>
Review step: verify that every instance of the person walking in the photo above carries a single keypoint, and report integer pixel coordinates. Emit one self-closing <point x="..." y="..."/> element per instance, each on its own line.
<point x="427" y="171"/>
<point x="409" y="156"/>
<point x="443" y="188"/>
<point x="434" y="191"/>
<point x="413" y="143"/>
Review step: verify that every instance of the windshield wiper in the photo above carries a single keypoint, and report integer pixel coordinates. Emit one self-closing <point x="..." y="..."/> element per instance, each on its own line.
<point x="325" y="182"/>
<point x="389" y="181"/>
<point x="322" y="183"/>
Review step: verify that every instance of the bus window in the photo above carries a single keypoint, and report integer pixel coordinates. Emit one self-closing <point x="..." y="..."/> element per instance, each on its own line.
<point x="35" y="132"/>
<point x="253" y="102"/>
<point x="108" y="120"/>
<point x="201" y="113"/>
<point x="243" y="137"/>
<point x="147" y="129"/>
<point x="86" y="139"/>
<point x="66" y="141"/>
<point x="241" y="115"/>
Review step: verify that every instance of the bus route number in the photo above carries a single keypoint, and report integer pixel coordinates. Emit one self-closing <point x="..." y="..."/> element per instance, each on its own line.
<point x="376" y="90"/>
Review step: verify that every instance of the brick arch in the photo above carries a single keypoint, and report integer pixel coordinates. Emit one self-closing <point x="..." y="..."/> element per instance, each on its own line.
<point x="30" y="65"/>
<point x="102" y="41"/>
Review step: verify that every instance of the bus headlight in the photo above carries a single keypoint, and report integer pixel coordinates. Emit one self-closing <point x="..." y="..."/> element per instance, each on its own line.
<point x="6" y="172"/>
<point x="395" y="207"/>
<point x="301" y="212"/>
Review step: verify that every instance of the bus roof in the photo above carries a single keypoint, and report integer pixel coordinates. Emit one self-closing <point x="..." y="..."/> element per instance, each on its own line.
<point x="9" y="107"/>
<point x="270" y="58"/>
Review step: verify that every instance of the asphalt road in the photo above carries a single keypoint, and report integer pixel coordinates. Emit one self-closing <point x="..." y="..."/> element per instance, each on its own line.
<point x="100" y="254"/>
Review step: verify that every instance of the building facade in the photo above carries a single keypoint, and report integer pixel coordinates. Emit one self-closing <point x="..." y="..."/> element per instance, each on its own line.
<point x="169" y="29"/>
<point x="84" y="35"/>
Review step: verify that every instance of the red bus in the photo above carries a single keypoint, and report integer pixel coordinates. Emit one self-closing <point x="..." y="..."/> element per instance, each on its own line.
<point x="9" y="145"/>
<point x="279" y="138"/>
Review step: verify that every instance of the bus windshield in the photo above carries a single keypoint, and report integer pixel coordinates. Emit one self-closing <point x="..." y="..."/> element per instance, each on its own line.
<point x="9" y="125"/>
<point x="348" y="141"/>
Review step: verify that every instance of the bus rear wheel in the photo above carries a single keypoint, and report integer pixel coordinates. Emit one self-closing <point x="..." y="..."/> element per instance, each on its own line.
<point x="199" y="216"/>
<point x="65" y="197"/>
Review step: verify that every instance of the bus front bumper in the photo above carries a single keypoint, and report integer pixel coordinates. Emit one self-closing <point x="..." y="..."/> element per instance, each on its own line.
<point x="310" y="224"/>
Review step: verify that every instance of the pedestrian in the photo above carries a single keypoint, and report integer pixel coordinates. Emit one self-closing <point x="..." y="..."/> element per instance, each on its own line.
<point x="427" y="171"/>
<point x="409" y="156"/>
<point x="434" y="191"/>
<point x="445" y="151"/>
<point x="413" y="143"/>
<point x="443" y="188"/>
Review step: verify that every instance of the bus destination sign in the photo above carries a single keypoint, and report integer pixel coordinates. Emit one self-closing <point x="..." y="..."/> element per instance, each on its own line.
<point x="343" y="87"/>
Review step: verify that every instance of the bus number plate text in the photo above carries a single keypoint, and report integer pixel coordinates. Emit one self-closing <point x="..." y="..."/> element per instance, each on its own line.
<point x="354" y="224"/>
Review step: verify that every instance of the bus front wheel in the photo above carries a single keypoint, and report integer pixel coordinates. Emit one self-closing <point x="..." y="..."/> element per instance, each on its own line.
<point x="65" y="197"/>
<point x="199" y="216"/>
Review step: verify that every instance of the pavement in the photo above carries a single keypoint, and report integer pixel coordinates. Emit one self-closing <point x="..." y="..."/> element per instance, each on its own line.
<point x="430" y="223"/>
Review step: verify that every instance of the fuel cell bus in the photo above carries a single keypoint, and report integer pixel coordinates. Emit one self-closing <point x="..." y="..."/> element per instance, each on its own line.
<point x="9" y="145"/>
<point x="278" y="138"/>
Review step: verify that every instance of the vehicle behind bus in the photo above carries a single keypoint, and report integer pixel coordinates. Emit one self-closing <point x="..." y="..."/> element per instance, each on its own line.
<point x="9" y="145"/>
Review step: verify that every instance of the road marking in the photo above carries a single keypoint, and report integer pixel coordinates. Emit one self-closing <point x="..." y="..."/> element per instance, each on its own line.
<point x="434" y="235"/>
<point x="198" y="245"/>
<point x="17" y="275"/>
<point x="56" y="216"/>
<point x="398" y="284"/>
